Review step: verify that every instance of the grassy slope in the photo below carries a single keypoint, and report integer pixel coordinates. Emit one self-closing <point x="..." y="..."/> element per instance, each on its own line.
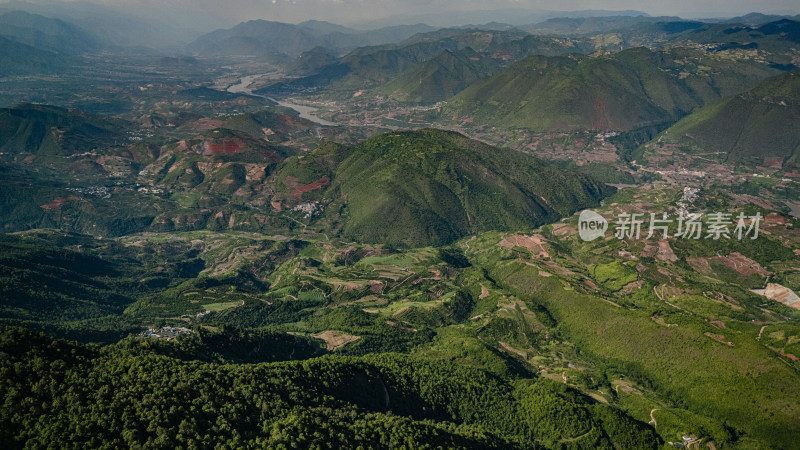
<point x="746" y="385"/>
<point x="49" y="130"/>
<point x="439" y="78"/>
<point x="760" y="122"/>
<point x="620" y="91"/>
<point x="432" y="186"/>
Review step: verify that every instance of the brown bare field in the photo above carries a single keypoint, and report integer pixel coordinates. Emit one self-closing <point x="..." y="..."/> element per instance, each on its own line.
<point x="336" y="339"/>
<point x="665" y="252"/>
<point x="206" y="124"/>
<point x="299" y="189"/>
<point x="534" y="243"/>
<point x="780" y="294"/>
<point x="226" y="147"/>
<point x="743" y="264"/>
<point x="701" y="265"/>
<point x="59" y="202"/>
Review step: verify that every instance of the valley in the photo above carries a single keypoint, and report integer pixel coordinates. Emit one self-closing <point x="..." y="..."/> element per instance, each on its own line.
<point x="306" y="235"/>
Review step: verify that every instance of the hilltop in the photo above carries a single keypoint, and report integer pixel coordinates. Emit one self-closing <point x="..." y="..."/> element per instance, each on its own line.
<point x="433" y="187"/>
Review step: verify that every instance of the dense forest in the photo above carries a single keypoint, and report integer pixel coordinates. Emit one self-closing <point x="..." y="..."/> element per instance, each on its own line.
<point x="132" y="394"/>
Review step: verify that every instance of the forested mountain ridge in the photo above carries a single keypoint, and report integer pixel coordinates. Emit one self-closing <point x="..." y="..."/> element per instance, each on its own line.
<point x="433" y="186"/>
<point x="123" y="397"/>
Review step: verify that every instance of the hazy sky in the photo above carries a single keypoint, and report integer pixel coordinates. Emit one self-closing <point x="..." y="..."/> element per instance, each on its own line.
<point x="351" y="11"/>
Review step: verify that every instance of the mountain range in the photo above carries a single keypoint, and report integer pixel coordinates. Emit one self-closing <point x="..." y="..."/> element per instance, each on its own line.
<point x="262" y="37"/>
<point x="305" y="235"/>
<point x="617" y="91"/>
<point x="759" y="123"/>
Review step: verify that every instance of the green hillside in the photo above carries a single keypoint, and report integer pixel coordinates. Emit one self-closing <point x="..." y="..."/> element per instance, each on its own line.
<point x="49" y="284"/>
<point x="363" y="68"/>
<point x="761" y="122"/>
<point x="370" y="67"/>
<point x="433" y="186"/>
<point x="46" y="33"/>
<point x="617" y="91"/>
<point x="274" y="126"/>
<point x="451" y="71"/>
<point x="312" y="60"/>
<point x="17" y="58"/>
<point x="125" y="396"/>
<point x="440" y="78"/>
<point x="534" y="339"/>
<point x="50" y="130"/>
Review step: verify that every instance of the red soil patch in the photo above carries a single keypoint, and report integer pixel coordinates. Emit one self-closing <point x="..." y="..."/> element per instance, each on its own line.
<point x="563" y="229"/>
<point x="207" y="124"/>
<point x="59" y="202"/>
<point x="701" y="265"/>
<point x="225" y="148"/>
<point x="300" y="190"/>
<point x="665" y="252"/>
<point x="534" y="243"/>
<point x="649" y="250"/>
<point x="790" y="356"/>
<point x="774" y="218"/>
<point x="743" y="264"/>
<point x="291" y="182"/>
<point x="736" y="261"/>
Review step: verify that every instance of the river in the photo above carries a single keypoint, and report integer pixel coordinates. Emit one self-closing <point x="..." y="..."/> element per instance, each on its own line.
<point x="306" y="112"/>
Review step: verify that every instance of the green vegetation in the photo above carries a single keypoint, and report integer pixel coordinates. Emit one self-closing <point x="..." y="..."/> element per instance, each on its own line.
<point x="620" y="91"/>
<point x="614" y="275"/>
<point x="426" y="68"/>
<point x="433" y="187"/>
<point x="758" y="123"/>
<point x="199" y="267"/>
<point x="505" y="320"/>
<point x="49" y="130"/>
<point x="439" y="78"/>
<point x="129" y="395"/>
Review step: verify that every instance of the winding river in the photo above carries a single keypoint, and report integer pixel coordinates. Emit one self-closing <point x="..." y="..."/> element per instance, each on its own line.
<point x="306" y="112"/>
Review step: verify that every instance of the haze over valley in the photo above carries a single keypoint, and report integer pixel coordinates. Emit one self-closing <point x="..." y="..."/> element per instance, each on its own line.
<point x="399" y="224"/>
